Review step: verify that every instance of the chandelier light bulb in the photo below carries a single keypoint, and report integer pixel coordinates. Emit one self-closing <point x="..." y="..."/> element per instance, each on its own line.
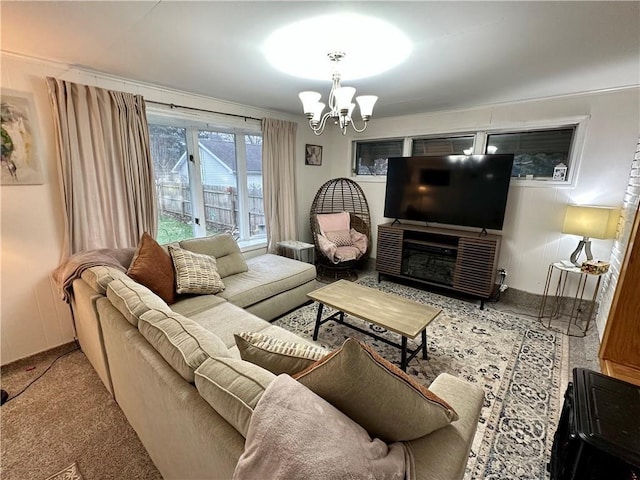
<point x="317" y="112"/>
<point x="309" y="101"/>
<point x="366" y="103"/>
<point x="343" y="97"/>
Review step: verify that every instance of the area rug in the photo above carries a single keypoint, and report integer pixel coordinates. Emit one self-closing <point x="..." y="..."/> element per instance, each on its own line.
<point x="522" y="367"/>
<point x="70" y="473"/>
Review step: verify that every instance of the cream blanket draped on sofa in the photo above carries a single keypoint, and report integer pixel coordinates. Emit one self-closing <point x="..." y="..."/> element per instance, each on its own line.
<point x="295" y="434"/>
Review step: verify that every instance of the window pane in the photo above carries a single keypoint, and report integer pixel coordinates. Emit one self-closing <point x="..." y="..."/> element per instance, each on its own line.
<point x="169" y="154"/>
<point x="372" y="157"/>
<point x="253" y="145"/>
<point x="543" y="154"/>
<point x="442" y="146"/>
<point x="218" y="171"/>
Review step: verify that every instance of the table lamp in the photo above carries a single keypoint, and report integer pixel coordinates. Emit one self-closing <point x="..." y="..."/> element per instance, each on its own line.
<point x="589" y="222"/>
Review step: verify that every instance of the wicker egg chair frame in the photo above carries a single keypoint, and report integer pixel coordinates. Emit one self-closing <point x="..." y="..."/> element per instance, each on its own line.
<point x="335" y="196"/>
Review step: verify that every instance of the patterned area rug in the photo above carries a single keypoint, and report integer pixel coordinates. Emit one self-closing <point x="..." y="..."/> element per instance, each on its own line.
<point x="69" y="473"/>
<point x="522" y="367"/>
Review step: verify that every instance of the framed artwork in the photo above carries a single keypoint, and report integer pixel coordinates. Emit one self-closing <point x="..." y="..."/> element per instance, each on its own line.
<point x="313" y="155"/>
<point x="20" y="161"/>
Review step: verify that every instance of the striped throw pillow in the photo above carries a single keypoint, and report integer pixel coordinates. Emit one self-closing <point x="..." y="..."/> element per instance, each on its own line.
<point x="277" y="356"/>
<point x="195" y="272"/>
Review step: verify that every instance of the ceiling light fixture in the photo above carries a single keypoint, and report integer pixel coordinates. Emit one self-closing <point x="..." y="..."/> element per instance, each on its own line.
<point x="340" y="103"/>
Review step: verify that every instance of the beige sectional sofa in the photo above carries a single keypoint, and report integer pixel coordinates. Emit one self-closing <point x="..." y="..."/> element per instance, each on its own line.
<point x="177" y="374"/>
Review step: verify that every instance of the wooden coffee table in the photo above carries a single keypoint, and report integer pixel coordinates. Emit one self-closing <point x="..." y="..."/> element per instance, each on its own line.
<point x="397" y="314"/>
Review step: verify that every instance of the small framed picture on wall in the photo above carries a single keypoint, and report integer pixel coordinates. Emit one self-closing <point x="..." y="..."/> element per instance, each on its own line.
<point x="313" y="155"/>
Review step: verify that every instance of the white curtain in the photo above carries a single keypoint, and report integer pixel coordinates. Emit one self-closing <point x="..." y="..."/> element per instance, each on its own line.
<point x="278" y="171"/>
<point x="105" y="167"/>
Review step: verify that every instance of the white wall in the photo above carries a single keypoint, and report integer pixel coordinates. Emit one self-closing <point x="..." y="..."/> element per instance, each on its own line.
<point x="33" y="318"/>
<point x="531" y="233"/>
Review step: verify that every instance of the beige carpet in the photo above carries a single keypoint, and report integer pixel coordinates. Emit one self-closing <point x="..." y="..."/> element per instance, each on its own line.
<point x="66" y="417"/>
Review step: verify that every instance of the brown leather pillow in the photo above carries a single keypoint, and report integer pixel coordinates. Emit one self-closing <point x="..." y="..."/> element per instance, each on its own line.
<point x="152" y="267"/>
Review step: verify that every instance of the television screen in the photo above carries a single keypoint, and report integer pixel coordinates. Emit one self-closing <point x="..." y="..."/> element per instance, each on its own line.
<point x="464" y="190"/>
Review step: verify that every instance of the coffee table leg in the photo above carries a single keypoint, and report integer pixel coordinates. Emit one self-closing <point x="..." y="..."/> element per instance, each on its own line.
<point x="318" y="320"/>
<point x="403" y="358"/>
<point x="424" y="344"/>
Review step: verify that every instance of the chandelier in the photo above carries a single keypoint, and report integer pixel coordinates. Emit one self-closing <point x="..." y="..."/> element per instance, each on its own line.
<point x="340" y="103"/>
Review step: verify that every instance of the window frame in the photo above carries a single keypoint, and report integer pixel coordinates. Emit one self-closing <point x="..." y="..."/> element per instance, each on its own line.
<point x="580" y="123"/>
<point x="194" y="122"/>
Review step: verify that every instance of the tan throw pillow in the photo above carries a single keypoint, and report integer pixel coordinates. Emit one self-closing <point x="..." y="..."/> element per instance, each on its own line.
<point x="277" y="356"/>
<point x="232" y="387"/>
<point x="153" y="268"/>
<point x="342" y="238"/>
<point x="195" y="272"/>
<point x="379" y="396"/>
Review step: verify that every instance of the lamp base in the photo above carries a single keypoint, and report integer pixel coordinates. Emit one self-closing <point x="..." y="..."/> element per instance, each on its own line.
<point x="585" y="244"/>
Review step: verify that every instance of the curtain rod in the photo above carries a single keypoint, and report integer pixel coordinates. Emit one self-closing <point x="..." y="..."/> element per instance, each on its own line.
<point x="173" y="105"/>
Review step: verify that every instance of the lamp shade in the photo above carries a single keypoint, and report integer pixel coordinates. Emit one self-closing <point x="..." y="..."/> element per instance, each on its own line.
<point x="593" y="222"/>
<point x="366" y="103"/>
<point x="309" y="101"/>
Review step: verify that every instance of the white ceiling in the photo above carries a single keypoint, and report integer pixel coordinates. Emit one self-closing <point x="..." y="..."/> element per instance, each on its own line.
<point x="465" y="53"/>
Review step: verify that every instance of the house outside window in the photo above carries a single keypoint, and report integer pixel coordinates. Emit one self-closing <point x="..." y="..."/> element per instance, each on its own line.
<point x="442" y="146"/>
<point x="538" y="155"/>
<point x="207" y="182"/>
<point x="372" y="156"/>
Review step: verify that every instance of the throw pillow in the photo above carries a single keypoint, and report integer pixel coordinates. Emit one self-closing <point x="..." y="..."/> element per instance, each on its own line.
<point x="277" y="356"/>
<point x="195" y="272"/>
<point x="153" y="268"/>
<point x="342" y="238"/>
<point x="232" y="387"/>
<point x="386" y="401"/>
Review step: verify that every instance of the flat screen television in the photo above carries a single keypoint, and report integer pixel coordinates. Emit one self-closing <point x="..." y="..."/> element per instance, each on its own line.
<point x="463" y="190"/>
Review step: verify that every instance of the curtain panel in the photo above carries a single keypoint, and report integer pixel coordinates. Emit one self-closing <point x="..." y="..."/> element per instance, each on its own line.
<point x="278" y="170"/>
<point x="105" y="166"/>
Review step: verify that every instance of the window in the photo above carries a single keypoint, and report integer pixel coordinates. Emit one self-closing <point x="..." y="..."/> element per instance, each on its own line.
<point x="545" y="152"/>
<point x="442" y="146"/>
<point x="208" y="181"/>
<point x="372" y="157"/>
<point x="541" y="154"/>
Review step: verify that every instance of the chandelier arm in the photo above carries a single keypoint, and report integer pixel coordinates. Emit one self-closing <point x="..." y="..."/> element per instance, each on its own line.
<point x="364" y="127"/>
<point x="319" y="128"/>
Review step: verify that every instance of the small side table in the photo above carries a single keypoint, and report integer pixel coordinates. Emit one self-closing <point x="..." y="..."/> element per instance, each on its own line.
<point x="305" y="252"/>
<point x="553" y="301"/>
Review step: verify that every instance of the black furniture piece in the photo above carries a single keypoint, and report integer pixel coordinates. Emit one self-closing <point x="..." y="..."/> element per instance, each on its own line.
<point x="598" y="436"/>
<point x="463" y="261"/>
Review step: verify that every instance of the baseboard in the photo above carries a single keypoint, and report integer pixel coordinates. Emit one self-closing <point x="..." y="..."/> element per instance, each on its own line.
<point x="55" y="351"/>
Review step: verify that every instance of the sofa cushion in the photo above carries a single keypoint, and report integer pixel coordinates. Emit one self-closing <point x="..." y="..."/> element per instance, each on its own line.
<point x="386" y="401"/>
<point x="195" y="272"/>
<point x="183" y="343"/>
<point x="227" y="319"/>
<point x="224" y="248"/>
<point x="268" y="276"/>
<point x="133" y="299"/>
<point x="189" y="305"/>
<point x="100" y="276"/>
<point x="152" y="267"/>
<point x="232" y="387"/>
<point x="277" y="356"/>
